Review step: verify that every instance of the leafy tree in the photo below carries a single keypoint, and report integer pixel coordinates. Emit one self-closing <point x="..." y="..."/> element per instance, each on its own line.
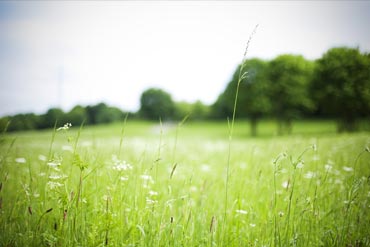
<point x="289" y="77"/>
<point x="195" y="111"/>
<point x="96" y="114"/>
<point x="27" y="121"/>
<point x="109" y="114"/>
<point x="253" y="99"/>
<point x="156" y="103"/>
<point x="77" y="115"/>
<point x="221" y="108"/>
<point x="341" y="85"/>
<point x="52" y="116"/>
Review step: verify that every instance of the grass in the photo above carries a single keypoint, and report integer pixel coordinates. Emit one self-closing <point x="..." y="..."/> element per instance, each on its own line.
<point x="164" y="185"/>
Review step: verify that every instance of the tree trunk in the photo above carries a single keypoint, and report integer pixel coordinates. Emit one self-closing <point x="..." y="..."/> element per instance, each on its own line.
<point x="289" y="126"/>
<point x="280" y="127"/>
<point x="253" y="126"/>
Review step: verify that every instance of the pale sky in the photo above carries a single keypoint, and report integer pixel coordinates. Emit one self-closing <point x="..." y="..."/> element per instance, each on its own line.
<point x="59" y="54"/>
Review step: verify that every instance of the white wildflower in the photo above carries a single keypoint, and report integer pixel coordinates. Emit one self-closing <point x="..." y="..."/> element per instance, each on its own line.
<point x="42" y="157"/>
<point x="283" y="170"/>
<point x="53" y="185"/>
<point x="68" y="148"/>
<point x="122" y="178"/>
<point x="122" y="166"/>
<point x="347" y="169"/>
<point x="65" y="127"/>
<point x="241" y="211"/>
<point x="309" y="175"/>
<point x="53" y="164"/>
<point x="193" y="188"/>
<point x="300" y="164"/>
<point x="20" y="160"/>
<point x="328" y="167"/>
<point x="252" y="225"/>
<point x="150" y="201"/>
<point x="205" y="168"/>
<point x="285" y="184"/>
<point x="146" y="177"/>
<point x="281" y="213"/>
<point x="153" y="193"/>
<point x="57" y="176"/>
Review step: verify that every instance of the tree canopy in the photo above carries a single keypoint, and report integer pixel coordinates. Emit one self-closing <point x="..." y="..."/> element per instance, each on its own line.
<point x="287" y="87"/>
<point x="289" y="77"/>
<point x="341" y="85"/>
<point x="156" y="104"/>
<point x="253" y="99"/>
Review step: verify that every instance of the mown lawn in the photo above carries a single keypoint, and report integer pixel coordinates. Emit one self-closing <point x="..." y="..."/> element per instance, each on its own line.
<point x="146" y="184"/>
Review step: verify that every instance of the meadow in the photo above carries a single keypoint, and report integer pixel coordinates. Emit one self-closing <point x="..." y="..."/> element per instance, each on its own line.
<point x="185" y="184"/>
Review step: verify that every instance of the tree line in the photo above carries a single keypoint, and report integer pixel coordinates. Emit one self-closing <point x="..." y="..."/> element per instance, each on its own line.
<point x="288" y="87"/>
<point x="336" y="86"/>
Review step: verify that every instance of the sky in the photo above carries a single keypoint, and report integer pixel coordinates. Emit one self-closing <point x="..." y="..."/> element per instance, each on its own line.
<point x="64" y="53"/>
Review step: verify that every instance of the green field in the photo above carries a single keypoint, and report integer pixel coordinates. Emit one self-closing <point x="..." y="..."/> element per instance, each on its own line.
<point x="150" y="184"/>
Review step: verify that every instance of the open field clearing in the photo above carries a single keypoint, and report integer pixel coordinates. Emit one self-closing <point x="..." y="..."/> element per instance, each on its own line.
<point x="146" y="184"/>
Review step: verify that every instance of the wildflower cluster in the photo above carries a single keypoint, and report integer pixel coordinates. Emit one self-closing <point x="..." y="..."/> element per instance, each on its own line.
<point x="65" y="127"/>
<point x="120" y="166"/>
<point x="56" y="177"/>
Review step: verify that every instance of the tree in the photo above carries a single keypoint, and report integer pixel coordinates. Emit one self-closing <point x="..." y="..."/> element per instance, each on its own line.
<point x="341" y="85"/>
<point x="52" y="116"/>
<point x="27" y="121"/>
<point x="289" y="77"/>
<point x="156" y="103"/>
<point x="101" y="113"/>
<point x="253" y="100"/>
<point x="77" y="115"/>
<point x="195" y="111"/>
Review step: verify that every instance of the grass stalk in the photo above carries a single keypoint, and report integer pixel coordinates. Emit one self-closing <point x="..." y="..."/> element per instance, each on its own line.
<point x="241" y="77"/>
<point x="122" y="136"/>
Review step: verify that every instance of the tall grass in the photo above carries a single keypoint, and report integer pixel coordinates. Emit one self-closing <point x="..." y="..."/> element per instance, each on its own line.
<point x="241" y="77"/>
<point x="127" y="185"/>
<point x="304" y="197"/>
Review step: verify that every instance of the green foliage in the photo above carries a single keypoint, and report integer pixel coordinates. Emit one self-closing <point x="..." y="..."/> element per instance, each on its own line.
<point x="341" y="86"/>
<point x="50" y="117"/>
<point x="289" y="77"/>
<point x="96" y="114"/>
<point x="195" y="111"/>
<point x="77" y="115"/>
<point x="156" y="104"/>
<point x="283" y="191"/>
<point x="287" y="87"/>
<point x="253" y="100"/>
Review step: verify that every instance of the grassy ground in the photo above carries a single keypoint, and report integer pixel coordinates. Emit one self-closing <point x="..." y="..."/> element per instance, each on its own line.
<point x="165" y="185"/>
